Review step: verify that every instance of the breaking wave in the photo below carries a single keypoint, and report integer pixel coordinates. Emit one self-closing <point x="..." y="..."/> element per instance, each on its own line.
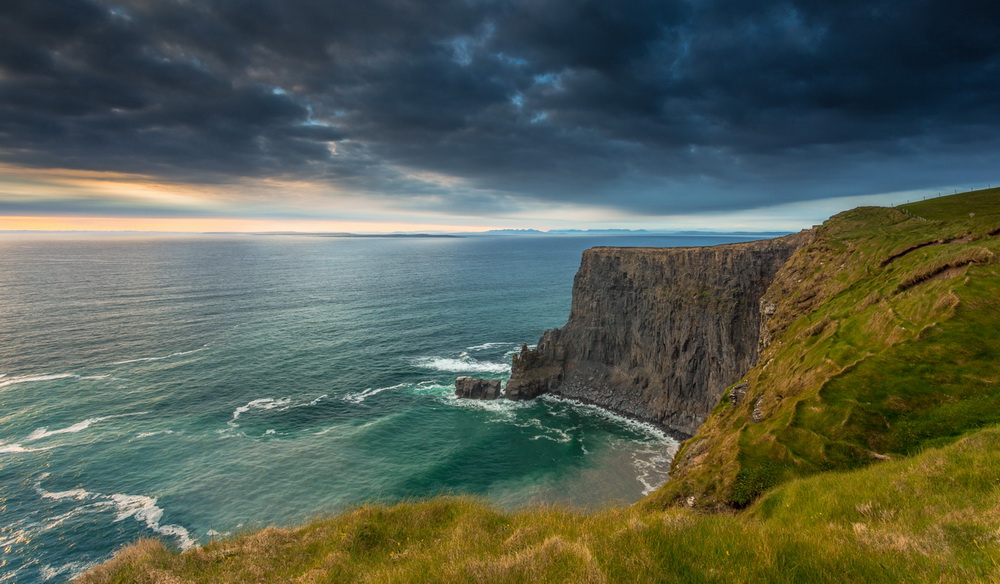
<point x="139" y="507"/>
<point x="266" y="403"/>
<point x="653" y="465"/>
<point x="361" y="396"/>
<point x="44" y="432"/>
<point x="650" y="430"/>
<point x="16" y="448"/>
<point x="462" y="364"/>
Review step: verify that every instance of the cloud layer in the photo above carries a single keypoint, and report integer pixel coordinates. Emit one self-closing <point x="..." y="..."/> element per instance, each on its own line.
<point x="486" y="106"/>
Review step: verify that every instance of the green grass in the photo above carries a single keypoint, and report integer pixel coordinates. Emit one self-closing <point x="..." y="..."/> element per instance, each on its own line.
<point x="886" y="341"/>
<point x="929" y="518"/>
<point x="867" y="448"/>
<point x="985" y="202"/>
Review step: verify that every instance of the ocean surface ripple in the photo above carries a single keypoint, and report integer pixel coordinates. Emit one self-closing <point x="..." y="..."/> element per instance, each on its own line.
<point x="188" y="387"/>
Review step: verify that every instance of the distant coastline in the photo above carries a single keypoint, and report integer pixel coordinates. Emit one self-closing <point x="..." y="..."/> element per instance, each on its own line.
<point x="380" y="235"/>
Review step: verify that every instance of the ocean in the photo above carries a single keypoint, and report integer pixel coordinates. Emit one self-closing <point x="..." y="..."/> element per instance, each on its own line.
<point x="190" y="387"/>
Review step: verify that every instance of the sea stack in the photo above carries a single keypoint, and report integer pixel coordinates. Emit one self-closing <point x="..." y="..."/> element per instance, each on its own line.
<point x="474" y="388"/>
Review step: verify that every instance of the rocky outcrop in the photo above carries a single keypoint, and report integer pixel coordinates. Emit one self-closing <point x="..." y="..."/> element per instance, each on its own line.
<point x="472" y="388"/>
<point x="657" y="333"/>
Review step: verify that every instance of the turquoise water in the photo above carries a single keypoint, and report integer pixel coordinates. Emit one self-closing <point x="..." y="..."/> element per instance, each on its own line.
<point x="187" y="387"/>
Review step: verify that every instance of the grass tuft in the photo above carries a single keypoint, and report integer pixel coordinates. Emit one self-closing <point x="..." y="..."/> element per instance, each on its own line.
<point x="932" y="517"/>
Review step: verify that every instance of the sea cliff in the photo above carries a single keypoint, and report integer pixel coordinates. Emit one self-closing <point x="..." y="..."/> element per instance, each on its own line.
<point x="657" y="333"/>
<point x="880" y="361"/>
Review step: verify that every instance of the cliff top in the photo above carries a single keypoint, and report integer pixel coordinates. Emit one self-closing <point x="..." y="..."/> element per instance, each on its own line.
<point x="984" y="203"/>
<point x="805" y="233"/>
<point x="885" y="340"/>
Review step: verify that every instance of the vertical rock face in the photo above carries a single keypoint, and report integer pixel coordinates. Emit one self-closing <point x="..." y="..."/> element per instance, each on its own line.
<point x="472" y="388"/>
<point x="657" y="333"/>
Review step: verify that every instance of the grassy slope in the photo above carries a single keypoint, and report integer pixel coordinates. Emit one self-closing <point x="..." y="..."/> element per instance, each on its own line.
<point x="928" y="518"/>
<point x="882" y="349"/>
<point x="886" y="340"/>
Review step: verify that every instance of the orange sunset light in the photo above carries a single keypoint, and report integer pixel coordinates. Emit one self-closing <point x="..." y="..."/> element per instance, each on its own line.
<point x="201" y="225"/>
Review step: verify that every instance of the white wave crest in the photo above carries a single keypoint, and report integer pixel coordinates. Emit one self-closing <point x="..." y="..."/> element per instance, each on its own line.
<point x="361" y="396"/>
<point x="72" y="569"/>
<point x="15" y="448"/>
<point x="33" y="378"/>
<point x="505" y="409"/>
<point x="78" y="494"/>
<point x="44" y="432"/>
<point x="170" y="356"/>
<point x="266" y="403"/>
<point x="463" y="364"/>
<point x="435" y="386"/>
<point x="145" y="510"/>
<point x="156" y="433"/>
<point x="646" y="428"/>
<point x="490" y="346"/>
<point x="139" y="507"/>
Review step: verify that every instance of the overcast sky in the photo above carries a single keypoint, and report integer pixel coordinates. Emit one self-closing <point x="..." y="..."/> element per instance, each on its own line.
<point x="492" y="113"/>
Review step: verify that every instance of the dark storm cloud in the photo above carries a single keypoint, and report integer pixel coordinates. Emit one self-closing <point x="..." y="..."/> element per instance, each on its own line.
<point x="650" y="106"/>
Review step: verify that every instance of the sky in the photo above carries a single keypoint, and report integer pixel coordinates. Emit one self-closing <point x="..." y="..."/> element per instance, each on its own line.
<point x="454" y="115"/>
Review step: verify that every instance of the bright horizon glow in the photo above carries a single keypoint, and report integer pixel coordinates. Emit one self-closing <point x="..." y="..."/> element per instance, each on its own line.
<point x="788" y="217"/>
<point x="206" y="225"/>
<point x="97" y="201"/>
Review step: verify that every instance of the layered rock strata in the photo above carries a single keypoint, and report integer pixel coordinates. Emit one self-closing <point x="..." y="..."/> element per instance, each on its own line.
<point x="657" y="333"/>
<point x="474" y="388"/>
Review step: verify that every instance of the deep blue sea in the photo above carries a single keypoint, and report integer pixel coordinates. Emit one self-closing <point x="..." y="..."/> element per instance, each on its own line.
<point x="186" y="387"/>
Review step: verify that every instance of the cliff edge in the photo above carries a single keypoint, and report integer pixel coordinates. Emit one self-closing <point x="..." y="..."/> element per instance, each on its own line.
<point x="882" y="339"/>
<point x="657" y="333"/>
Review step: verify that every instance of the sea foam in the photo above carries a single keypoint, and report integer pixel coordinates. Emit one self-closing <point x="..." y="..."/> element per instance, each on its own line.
<point x="462" y="364"/>
<point x="142" y="508"/>
<point x="266" y="403"/>
<point x="34" y="378"/>
<point x="145" y="510"/>
<point x="646" y="428"/>
<point x="489" y="346"/>
<point x="44" y="432"/>
<point x="504" y="409"/>
<point x="361" y="396"/>
<point x="652" y="466"/>
<point x="71" y="569"/>
<point x="16" y="448"/>
<point x="156" y="433"/>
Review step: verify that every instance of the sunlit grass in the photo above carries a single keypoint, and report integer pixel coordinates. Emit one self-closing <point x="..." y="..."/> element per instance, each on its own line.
<point x="886" y="340"/>
<point x="932" y="517"/>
